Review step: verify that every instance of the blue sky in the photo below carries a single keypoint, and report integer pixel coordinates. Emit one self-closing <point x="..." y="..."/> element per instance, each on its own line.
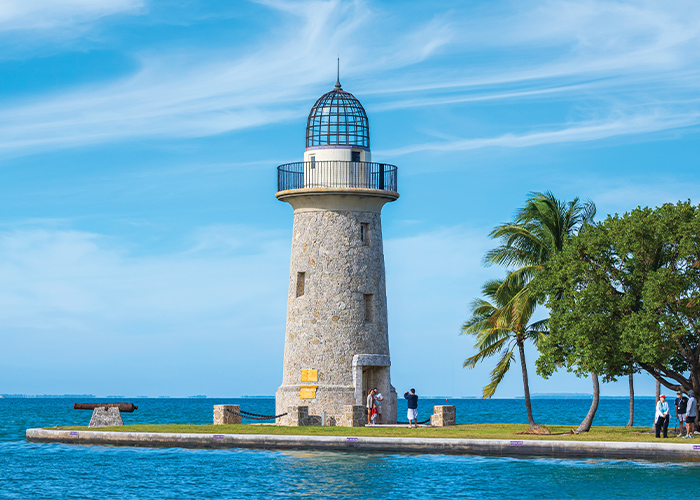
<point x="142" y="251"/>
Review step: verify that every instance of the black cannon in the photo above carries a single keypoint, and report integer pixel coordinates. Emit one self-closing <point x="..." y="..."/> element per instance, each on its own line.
<point x="123" y="407"/>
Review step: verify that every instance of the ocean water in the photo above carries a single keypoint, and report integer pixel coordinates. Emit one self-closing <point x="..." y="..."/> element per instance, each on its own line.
<point x="29" y="470"/>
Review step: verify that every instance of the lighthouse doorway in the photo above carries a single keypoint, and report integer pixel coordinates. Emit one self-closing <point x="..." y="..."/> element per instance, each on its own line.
<point x="370" y="379"/>
<point x="370" y="371"/>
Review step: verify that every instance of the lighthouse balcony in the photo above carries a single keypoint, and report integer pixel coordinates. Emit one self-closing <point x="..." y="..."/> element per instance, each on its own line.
<point x="336" y="175"/>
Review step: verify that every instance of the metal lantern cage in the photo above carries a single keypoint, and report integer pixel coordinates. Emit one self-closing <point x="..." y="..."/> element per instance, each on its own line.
<point x="337" y="119"/>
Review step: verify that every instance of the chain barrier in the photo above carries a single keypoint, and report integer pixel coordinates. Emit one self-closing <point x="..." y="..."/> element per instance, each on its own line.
<point x="255" y="416"/>
<point x="261" y="416"/>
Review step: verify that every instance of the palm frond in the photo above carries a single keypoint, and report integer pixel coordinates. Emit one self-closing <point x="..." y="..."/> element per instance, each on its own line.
<point x="499" y="372"/>
<point x="487" y="351"/>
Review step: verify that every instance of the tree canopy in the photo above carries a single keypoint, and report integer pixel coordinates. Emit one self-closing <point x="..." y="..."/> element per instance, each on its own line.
<point x="625" y="295"/>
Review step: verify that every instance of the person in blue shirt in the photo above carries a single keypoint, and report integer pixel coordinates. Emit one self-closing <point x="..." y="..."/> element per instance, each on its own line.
<point x="412" y="399"/>
<point x="662" y="416"/>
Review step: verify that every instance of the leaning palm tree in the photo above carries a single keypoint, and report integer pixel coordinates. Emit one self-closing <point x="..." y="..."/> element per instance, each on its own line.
<point x="500" y="323"/>
<point x="540" y="231"/>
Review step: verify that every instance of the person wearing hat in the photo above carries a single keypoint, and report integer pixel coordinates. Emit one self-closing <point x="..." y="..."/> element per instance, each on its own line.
<point x="681" y="408"/>
<point x="692" y="411"/>
<point x="662" y="416"/>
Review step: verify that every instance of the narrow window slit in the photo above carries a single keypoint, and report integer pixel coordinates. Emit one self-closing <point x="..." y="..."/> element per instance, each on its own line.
<point x="369" y="308"/>
<point x="364" y="233"/>
<point x="301" y="278"/>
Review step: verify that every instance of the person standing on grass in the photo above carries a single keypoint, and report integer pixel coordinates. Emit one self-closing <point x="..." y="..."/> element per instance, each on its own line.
<point x="370" y="405"/>
<point x="412" y="407"/>
<point x="681" y="408"/>
<point x="692" y="411"/>
<point x="662" y="416"/>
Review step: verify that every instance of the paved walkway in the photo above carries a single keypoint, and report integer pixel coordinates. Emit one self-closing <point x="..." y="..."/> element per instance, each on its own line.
<point x="673" y="450"/>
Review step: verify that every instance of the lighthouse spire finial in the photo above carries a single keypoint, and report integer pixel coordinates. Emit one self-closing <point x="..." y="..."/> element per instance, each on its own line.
<point x="337" y="80"/>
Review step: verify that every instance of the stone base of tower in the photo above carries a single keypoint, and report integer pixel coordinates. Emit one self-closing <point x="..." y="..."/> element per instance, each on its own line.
<point x="334" y="401"/>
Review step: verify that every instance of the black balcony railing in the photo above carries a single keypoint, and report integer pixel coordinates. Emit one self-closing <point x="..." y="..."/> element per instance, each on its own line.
<point x="336" y="174"/>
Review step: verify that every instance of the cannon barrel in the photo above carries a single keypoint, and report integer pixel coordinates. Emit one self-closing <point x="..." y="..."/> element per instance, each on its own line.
<point x="123" y="407"/>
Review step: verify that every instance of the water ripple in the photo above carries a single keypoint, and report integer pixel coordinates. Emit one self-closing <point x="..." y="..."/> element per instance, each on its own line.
<point x="30" y="470"/>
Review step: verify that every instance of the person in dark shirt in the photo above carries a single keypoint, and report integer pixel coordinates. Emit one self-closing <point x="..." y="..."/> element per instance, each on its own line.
<point x="412" y="399"/>
<point x="681" y="405"/>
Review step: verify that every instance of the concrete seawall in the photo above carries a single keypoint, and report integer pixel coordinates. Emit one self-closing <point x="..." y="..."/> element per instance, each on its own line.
<point x="492" y="447"/>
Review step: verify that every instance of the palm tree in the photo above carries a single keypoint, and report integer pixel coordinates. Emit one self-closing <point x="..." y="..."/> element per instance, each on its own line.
<point x="500" y="324"/>
<point x="540" y="230"/>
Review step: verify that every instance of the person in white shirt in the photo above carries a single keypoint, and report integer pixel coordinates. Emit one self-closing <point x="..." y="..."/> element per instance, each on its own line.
<point x="378" y="398"/>
<point x="662" y="416"/>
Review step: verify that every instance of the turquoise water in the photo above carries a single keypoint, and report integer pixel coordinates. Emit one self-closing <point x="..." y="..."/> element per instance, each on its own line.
<point x="30" y="470"/>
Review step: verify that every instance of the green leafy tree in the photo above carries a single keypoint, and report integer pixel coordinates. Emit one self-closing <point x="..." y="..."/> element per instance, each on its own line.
<point x="500" y="323"/>
<point x="625" y="295"/>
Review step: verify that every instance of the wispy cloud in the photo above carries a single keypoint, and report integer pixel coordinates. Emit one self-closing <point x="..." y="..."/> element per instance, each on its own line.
<point x="193" y="94"/>
<point x="42" y="15"/>
<point x="579" y="132"/>
<point x="69" y="294"/>
<point x="614" y="56"/>
<point x="58" y="278"/>
<point x="620" y="196"/>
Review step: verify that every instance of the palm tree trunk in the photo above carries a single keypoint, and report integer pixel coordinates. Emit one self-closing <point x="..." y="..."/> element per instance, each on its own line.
<point x="631" y="420"/>
<point x="526" y="385"/>
<point x="588" y="421"/>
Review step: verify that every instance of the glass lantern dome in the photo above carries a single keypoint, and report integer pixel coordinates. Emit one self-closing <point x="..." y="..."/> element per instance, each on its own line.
<point x="337" y="119"/>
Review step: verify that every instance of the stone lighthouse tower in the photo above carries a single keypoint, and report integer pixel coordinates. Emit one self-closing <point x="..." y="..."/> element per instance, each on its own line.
<point x="336" y="343"/>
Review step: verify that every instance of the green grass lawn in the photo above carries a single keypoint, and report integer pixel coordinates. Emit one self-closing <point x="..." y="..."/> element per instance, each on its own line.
<point x="474" y="431"/>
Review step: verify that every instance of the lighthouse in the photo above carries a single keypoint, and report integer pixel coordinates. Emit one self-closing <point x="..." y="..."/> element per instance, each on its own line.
<point x="337" y="340"/>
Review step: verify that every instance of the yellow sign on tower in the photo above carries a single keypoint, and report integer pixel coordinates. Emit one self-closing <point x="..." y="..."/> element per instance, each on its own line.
<point x="309" y="375"/>
<point x="307" y="391"/>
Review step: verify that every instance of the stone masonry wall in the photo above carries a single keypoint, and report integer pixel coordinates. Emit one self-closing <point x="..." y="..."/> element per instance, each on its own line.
<point x="327" y="324"/>
<point x="298" y="416"/>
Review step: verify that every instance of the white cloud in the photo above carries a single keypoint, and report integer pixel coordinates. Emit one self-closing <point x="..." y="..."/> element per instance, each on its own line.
<point x="51" y="14"/>
<point x="57" y="277"/>
<point x="611" y="58"/>
<point x="193" y="94"/>
<point x="81" y="313"/>
<point x="620" y="196"/>
<point x="577" y="132"/>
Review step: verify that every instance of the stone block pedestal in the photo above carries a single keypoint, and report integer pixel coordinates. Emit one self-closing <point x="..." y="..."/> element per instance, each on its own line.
<point x="224" y="417"/>
<point x="443" y="416"/>
<point x="105" y="417"/>
<point x="353" y="416"/>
